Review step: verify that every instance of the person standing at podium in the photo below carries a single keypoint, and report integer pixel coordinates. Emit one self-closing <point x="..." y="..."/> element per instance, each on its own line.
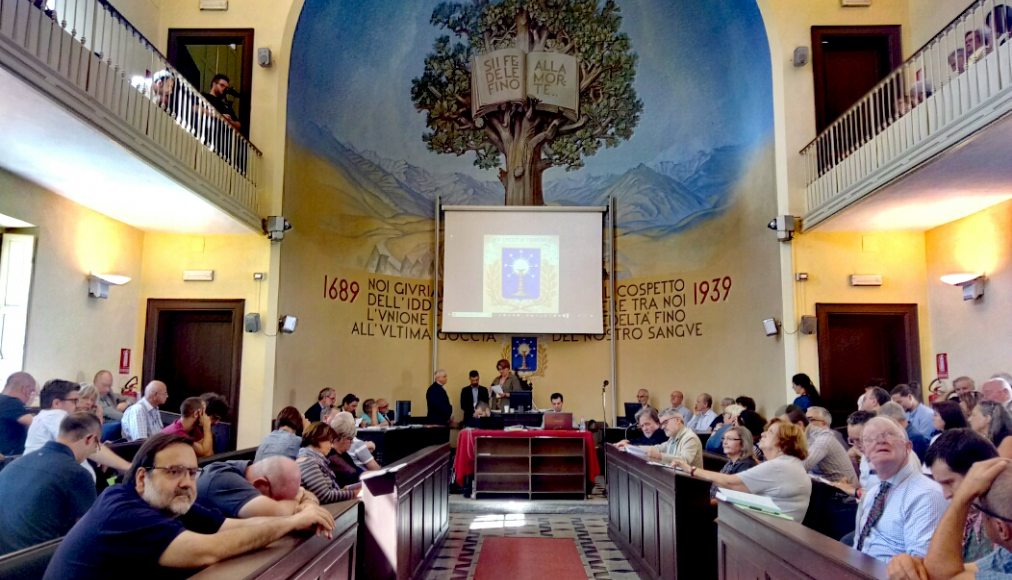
<point x="507" y="381"/>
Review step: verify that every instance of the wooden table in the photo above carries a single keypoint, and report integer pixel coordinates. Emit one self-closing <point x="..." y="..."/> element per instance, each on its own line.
<point x="463" y="463"/>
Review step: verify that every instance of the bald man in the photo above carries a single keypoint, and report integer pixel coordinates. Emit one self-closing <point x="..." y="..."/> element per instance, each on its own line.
<point x="142" y="420"/>
<point x="113" y="405"/>
<point x="14" y="418"/>
<point x="243" y="489"/>
<point x="998" y="390"/>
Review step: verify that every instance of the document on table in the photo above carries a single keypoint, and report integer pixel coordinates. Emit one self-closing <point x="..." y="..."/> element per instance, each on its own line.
<point x="751" y="501"/>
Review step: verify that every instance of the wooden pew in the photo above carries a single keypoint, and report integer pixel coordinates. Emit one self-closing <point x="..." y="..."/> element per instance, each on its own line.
<point x="754" y="545"/>
<point x="405" y="514"/>
<point x="299" y="556"/>
<point x="29" y="562"/>
<point x="661" y="520"/>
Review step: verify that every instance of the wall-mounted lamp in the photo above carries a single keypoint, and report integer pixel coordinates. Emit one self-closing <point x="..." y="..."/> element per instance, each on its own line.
<point x="287" y="323"/>
<point x="771" y="326"/>
<point x="972" y="284"/>
<point x="98" y="284"/>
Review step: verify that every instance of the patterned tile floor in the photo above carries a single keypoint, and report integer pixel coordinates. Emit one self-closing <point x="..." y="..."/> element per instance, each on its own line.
<point x="460" y="551"/>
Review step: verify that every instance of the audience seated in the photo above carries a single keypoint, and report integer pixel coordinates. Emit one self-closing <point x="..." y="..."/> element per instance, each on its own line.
<point x="149" y="524"/>
<point x="677" y="397"/>
<point x="703" y="415"/>
<point x="112" y="404"/>
<point x="755" y="423"/>
<point x="682" y="443"/>
<point x="142" y="419"/>
<point x="286" y="438"/>
<point x="87" y="401"/>
<point x="649" y="423"/>
<point x="991" y="420"/>
<point x="826" y="457"/>
<point x="781" y="477"/>
<point x="919" y="416"/>
<point x="57" y="399"/>
<point x="324" y="401"/>
<point x="216" y="407"/>
<point x="896" y="413"/>
<point x="738" y="447"/>
<point x="899" y="513"/>
<point x="318" y="441"/>
<point x="370" y="416"/>
<point x="948" y="415"/>
<point x="873" y="398"/>
<point x="46" y="491"/>
<point x="728" y="419"/>
<point x="383" y="407"/>
<point x="349" y="404"/>
<point x="988" y="487"/>
<point x="14" y="417"/>
<point x="950" y="458"/>
<point x="195" y="425"/>
<point x="997" y="389"/>
<point x="244" y="489"/>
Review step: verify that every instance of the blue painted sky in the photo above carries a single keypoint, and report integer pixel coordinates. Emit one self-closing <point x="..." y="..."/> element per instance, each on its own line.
<point x="703" y="76"/>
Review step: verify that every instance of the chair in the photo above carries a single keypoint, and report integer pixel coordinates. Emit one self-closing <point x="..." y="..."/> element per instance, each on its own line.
<point x="30" y="562"/>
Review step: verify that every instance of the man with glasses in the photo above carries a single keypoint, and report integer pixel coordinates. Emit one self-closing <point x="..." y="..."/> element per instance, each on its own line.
<point x="57" y="399"/>
<point x="682" y="442"/>
<point x="901" y="512"/>
<point x="244" y="489"/>
<point x="987" y="487"/>
<point x="324" y="401"/>
<point x="46" y="491"/>
<point x="14" y="418"/>
<point x="149" y="526"/>
<point x="826" y="457"/>
<point x="143" y="419"/>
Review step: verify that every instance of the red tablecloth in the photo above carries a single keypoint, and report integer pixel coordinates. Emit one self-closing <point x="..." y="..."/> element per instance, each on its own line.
<point x="463" y="464"/>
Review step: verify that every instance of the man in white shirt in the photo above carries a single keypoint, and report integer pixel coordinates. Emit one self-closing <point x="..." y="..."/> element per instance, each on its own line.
<point x="143" y="419"/>
<point x="704" y="415"/>
<point x="57" y="399"/>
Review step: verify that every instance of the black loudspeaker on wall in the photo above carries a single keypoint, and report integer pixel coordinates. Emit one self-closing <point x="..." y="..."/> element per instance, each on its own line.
<point x="808" y="324"/>
<point x="251" y="322"/>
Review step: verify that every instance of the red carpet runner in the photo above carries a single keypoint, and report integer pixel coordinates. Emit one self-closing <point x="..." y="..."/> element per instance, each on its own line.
<point x="516" y="558"/>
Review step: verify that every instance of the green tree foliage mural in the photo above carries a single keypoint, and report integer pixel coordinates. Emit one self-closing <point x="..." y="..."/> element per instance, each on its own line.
<point x="531" y="138"/>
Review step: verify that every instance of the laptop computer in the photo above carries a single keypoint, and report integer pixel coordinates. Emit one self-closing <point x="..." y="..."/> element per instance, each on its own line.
<point x="558" y="421"/>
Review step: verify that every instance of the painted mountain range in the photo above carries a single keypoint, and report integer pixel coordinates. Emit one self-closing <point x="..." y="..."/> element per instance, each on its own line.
<point x="652" y="200"/>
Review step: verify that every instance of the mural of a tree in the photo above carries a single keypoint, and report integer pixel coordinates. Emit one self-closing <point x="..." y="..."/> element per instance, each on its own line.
<point x="531" y="138"/>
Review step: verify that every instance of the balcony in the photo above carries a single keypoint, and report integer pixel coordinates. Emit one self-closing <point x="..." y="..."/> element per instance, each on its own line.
<point x="930" y="143"/>
<point x="95" y="113"/>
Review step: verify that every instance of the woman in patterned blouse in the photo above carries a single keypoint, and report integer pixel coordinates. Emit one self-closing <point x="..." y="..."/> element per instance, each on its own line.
<point x="317" y="477"/>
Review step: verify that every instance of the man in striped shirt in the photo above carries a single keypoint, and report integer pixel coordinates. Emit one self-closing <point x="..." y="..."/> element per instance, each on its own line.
<point x="143" y="419"/>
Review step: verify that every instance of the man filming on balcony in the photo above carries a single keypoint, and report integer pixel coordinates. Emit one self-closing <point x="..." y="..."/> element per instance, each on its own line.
<point x="219" y="88"/>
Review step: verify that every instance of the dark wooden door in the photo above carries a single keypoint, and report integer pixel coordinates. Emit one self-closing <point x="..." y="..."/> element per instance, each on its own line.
<point x="847" y="61"/>
<point x="858" y="342"/>
<point x="195" y="347"/>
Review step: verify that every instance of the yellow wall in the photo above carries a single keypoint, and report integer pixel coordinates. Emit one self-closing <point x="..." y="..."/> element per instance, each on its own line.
<point x="928" y="17"/>
<point x="234" y="259"/>
<point x="71" y="335"/>
<point x="975" y="334"/>
<point x="144" y="16"/>
<point x="830" y="258"/>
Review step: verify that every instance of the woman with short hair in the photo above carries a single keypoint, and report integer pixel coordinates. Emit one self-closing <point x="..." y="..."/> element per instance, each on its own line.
<point x="782" y="477"/>
<point x="286" y="438"/>
<point x="317" y="477"/>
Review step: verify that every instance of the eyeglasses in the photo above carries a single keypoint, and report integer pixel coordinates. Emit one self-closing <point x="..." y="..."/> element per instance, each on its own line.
<point x="177" y="471"/>
<point x="855" y="442"/>
<point x="732" y="439"/>
<point x="990" y="513"/>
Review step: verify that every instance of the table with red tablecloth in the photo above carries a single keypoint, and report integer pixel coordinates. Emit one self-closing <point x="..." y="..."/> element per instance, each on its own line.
<point x="463" y="464"/>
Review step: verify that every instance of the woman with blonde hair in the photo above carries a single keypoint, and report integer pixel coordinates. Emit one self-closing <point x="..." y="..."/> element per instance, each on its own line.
<point x="88" y="401"/>
<point x="782" y="477"/>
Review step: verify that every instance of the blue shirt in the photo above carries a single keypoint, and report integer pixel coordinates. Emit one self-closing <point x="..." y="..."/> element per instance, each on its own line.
<point x="12" y="433"/>
<point x="279" y="442"/>
<point x="922" y="420"/>
<point x="43" y="493"/>
<point x="222" y="486"/>
<point x="802" y="402"/>
<point x="996" y="565"/>
<point x="122" y="534"/>
<point x="913" y="508"/>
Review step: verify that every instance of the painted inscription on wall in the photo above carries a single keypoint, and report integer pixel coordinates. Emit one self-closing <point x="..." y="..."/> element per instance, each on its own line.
<point x="670" y="308"/>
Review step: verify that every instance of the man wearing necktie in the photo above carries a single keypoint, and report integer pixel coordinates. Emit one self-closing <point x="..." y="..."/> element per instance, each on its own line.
<point x="900" y="513"/>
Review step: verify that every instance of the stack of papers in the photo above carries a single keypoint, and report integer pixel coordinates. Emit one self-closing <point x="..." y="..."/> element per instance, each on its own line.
<point x="634" y="450"/>
<point x="751" y="501"/>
